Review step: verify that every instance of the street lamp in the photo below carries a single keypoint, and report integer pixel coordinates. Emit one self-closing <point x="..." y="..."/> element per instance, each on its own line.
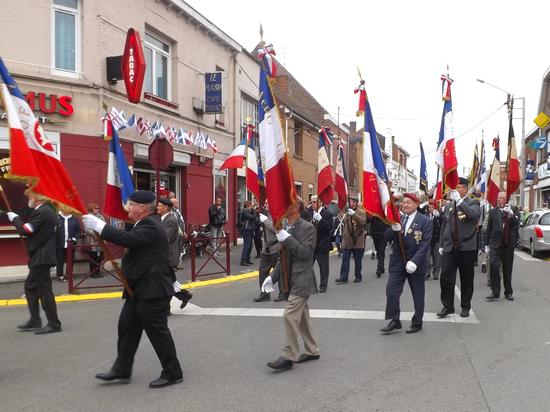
<point x="509" y="103"/>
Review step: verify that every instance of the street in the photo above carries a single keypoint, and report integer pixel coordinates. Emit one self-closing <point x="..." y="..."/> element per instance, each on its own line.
<point x="499" y="364"/>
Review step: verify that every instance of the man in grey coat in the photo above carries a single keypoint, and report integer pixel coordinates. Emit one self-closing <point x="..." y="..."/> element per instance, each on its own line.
<point x="458" y="248"/>
<point x="170" y="223"/>
<point x="297" y="245"/>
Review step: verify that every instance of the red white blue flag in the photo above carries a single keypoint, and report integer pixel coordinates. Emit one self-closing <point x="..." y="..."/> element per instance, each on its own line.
<point x="341" y="181"/>
<point x="325" y="188"/>
<point x="268" y="62"/>
<point x="252" y="182"/>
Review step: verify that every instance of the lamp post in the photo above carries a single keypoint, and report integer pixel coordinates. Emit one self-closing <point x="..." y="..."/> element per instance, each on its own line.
<point x="510" y="103"/>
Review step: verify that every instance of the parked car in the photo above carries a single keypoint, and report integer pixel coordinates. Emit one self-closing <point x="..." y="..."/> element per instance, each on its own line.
<point x="534" y="233"/>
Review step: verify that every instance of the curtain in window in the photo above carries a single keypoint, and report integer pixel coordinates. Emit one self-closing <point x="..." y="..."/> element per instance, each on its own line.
<point x="65" y="42"/>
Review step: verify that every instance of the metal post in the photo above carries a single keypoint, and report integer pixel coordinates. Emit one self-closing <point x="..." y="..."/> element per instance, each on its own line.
<point x="70" y="268"/>
<point x="193" y="251"/>
<point x="227" y="254"/>
<point x="523" y="155"/>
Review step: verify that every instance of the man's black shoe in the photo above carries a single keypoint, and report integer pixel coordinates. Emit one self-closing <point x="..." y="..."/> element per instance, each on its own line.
<point x="372" y="256"/>
<point x="47" y="329"/>
<point x="258" y="256"/>
<point x="185" y="296"/>
<point x="435" y="277"/>
<point x="509" y="297"/>
<point x="264" y="297"/>
<point x="304" y="357"/>
<point x="492" y="297"/>
<point x="444" y="312"/>
<point x="465" y="312"/>
<point x="414" y="329"/>
<point x="393" y="325"/>
<point x="483" y="268"/>
<point x="322" y="289"/>
<point x="279" y="298"/>
<point x="427" y="277"/>
<point x="357" y="280"/>
<point x="281" y="364"/>
<point x="30" y="326"/>
<point x="379" y="273"/>
<point x="249" y="262"/>
<point x="163" y="381"/>
<point x="341" y="281"/>
<point x="112" y="376"/>
<point x="245" y="264"/>
<point x="475" y="263"/>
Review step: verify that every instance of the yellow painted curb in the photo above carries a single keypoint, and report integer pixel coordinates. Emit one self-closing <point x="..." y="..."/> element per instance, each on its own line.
<point x="115" y="295"/>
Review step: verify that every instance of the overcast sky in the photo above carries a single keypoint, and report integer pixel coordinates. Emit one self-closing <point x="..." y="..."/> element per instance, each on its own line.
<point x="402" y="49"/>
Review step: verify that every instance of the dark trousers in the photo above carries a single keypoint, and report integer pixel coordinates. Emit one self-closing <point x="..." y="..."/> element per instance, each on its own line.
<point x="38" y="289"/>
<point x="258" y="241"/>
<point x="464" y="261"/>
<point x="357" y="258"/>
<point x="501" y="257"/>
<point x="61" y="254"/>
<point x="322" y="261"/>
<point x="149" y="315"/>
<point x="394" y="289"/>
<point x="267" y="262"/>
<point x="380" y="247"/>
<point x="435" y="259"/>
<point x="247" y="235"/>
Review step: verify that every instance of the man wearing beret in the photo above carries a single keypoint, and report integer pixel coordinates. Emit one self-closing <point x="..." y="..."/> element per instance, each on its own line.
<point x="416" y="230"/>
<point x="151" y="278"/>
<point x="458" y="248"/>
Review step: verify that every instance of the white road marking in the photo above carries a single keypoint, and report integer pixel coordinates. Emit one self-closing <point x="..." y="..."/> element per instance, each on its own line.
<point x="525" y="256"/>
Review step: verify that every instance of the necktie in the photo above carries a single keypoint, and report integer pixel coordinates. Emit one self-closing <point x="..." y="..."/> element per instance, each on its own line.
<point x="405" y="224"/>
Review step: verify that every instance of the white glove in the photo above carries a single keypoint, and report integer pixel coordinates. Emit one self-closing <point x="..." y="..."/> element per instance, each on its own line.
<point x="12" y="216"/>
<point x="267" y="286"/>
<point x="396" y="227"/>
<point x="422" y="205"/>
<point x="351" y="212"/>
<point x="282" y="235"/>
<point x="93" y="223"/>
<point x="317" y="216"/>
<point x="486" y="249"/>
<point x="436" y="212"/>
<point x="508" y="210"/>
<point x="454" y="195"/>
<point x="410" y="267"/>
<point x="263" y="218"/>
<point x="441" y="251"/>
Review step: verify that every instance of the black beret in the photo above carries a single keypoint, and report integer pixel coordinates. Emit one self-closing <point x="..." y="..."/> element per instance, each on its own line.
<point x="165" y="201"/>
<point x="143" y="196"/>
<point x="463" y="181"/>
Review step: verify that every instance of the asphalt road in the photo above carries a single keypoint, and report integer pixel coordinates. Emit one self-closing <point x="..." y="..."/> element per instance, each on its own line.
<point x="501" y="363"/>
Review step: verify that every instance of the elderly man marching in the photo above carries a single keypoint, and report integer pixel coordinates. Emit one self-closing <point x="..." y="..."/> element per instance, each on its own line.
<point x="416" y="232"/>
<point x="297" y="246"/>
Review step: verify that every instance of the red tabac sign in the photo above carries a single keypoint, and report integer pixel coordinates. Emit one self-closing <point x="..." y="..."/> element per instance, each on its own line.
<point x="133" y="66"/>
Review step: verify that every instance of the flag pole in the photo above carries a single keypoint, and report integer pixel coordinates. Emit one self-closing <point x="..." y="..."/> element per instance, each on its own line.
<point x="117" y="269"/>
<point x="8" y="205"/>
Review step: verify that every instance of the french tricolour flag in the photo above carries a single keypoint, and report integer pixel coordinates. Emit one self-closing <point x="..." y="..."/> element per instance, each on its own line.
<point x="278" y="177"/>
<point x="119" y="181"/>
<point x="376" y="194"/>
<point x="494" y="181"/>
<point x="341" y="181"/>
<point x="252" y="183"/>
<point x="33" y="157"/>
<point x="235" y="160"/>
<point x="325" y="188"/>
<point x="446" y="153"/>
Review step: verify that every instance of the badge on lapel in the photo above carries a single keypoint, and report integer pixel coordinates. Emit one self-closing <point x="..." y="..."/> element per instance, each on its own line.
<point x="461" y="216"/>
<point x="418" y="236"/>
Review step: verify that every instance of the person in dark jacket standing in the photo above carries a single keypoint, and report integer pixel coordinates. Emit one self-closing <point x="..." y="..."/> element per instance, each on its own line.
<point x="68" y="232"/>
<point x="248" y="218"/>
<point x="152" y="280"/>
<point x="500" y="241"/>
<point x="435" y="217"/>
<point x="40" y="233"/>
<point x="216" y="219"/>
<point x="377" y="230"/>
<point x="322" y="219"/>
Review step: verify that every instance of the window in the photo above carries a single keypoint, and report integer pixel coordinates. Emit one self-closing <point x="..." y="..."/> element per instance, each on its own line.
<point x="310" y="190"/>
<point x="298" y="186"/>
<point x="66" y="37"/>
<point x="220" y="188"/>
<point x="249" y="113"/>
<point x="157" y="74"/>
<point x="298" y="139"/>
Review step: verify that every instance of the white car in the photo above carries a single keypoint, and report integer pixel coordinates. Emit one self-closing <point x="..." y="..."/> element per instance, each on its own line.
<point x="534" y="233"/>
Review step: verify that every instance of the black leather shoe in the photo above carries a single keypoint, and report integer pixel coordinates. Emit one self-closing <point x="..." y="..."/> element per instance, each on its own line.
<point x="264" y="297"/>
<point x="279" y="298"/>
<point x="341" y="281"/>
<point x="427" y="277"/>
<point x="444" y="312"/>
<point x="435" y="277"/>
<point x="357" y="280"/>
<point x="509" y="297"/>
<point x="185" y="296"/>
<point x="393" y="325"/>
<point x="304" y="357"/>
<point x="372" y="256"/>
<point x="47" y="329"/>
<point x="250" y="263"/>
<point x="379" y="273"/>
<point x="483" y="268"/>
<point x="465" y="313"/>
<point x="30" y="326"/>
<point x="163" y="381"/>
<point x="112" y="376"/>
<point x="281" y="364"/>
<point x="492" y="297"/>
<point x="245" y="264"/>
<point x="414" y="329"/>
<point x="322" y="289"/>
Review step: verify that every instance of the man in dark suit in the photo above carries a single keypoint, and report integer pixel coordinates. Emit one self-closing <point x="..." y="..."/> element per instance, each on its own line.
<point x="416" y="231"/>
<point x="458" y="248"/>
<point x="68" y="232"/>
<point x="377" y="230"/>
<point x="164" y="210"/>
<point x="297" y="246"/>
<point x="40" y="233"/>
<point x="322" y="220"/>
<point x="500" y="241"/>
<point x="435" y="217"/>
<point x="151" y="278"/>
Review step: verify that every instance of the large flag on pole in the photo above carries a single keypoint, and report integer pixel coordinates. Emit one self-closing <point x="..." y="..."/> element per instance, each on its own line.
<point x="235" y="160"/>
<point x="119" y="180"/>
<point x="376" y="194"/>
<point x="33" y="157"/>
<point x="493" y="183"/>
<point x="423" y="187"/>
<point x="481" y="181"/>
<point x="474" y="171"/>
<point x="341" y="181"/>
<point x="446" y="153"/>
<point x="325" y="181"/>
<point x="252" y="183"/>
<point x="278" y="176"/>
<point x="513" y="178"/>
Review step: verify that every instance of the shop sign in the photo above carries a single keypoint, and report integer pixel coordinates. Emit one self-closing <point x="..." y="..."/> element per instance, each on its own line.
<point x="529" y="172"/>
<point x="213" y="92"/>
<point x="47" y="104"/>
<point x="133" y="66"/>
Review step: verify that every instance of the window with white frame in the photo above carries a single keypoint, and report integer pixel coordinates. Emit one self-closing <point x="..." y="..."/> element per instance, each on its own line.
<point x="157" y="74"/>
<point x="66" y="37"/>
<point x="249" y="113"/>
